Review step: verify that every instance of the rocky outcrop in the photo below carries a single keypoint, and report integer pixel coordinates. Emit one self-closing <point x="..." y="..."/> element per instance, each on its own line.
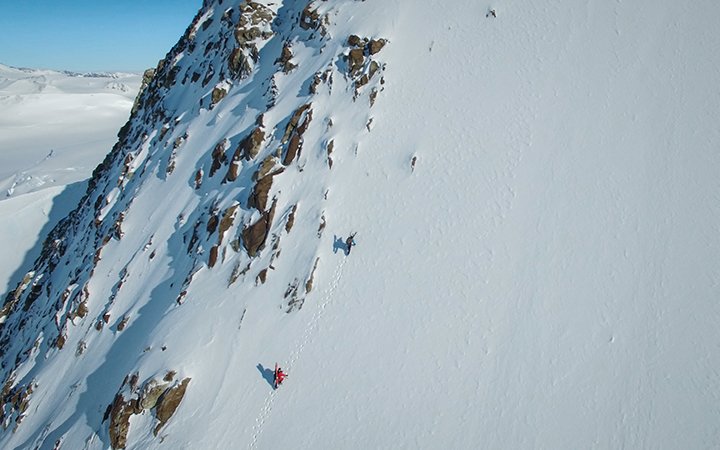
<point x="264" y="177"/>
<point x="168" y="403"/>
<point x="294" y="131"/>
<point x="218" y="93"/>
<point x="310" y="18"/>
<point x="119" y="414"/>
<point x="159" y="396"/>
<point x="255" y="235"/>
<point x="285" y="59"/>
<point x="253" y="27"/>
<point x="361" y="65"/>
<point x="218" y="156"/>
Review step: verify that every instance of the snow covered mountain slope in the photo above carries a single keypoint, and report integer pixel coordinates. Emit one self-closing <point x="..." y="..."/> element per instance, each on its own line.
<point x="55" y="128"/>
<point x="534" y="193"/>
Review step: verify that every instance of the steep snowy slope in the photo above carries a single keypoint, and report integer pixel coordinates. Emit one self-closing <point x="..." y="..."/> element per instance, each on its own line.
<point x="535" y="201"/>
<point x="56" y="127"/>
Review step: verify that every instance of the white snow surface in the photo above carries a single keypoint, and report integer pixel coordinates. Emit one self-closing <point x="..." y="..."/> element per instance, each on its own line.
<point x="546" y="277"/>
<point x="55" y="127"/>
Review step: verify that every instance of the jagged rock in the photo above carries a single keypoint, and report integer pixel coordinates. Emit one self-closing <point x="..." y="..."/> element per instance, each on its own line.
<point x="218" y="94"/>
<point x="123" y="323"/>
<point x="151" y="392"/>
<point x="356" y="41"/>
<point x="309" y="282"/>
<point x="60" y="341"/>
<point x="254" y="25"/>
<point x="248" y="149"/>
<point x="120" y="412"/>
<point x="212" y="224"/>
<point x="252" y="143"/>
<point x="262" y="276"/>
<point x="321" y="227"/>
<point x="292" y="150"/>
<point x="294" y="131"/>
<point x="239" y="63"/>
<point x="291" y="219"/>
<point x="198" y="178"/>
<point x="356" y="59"/>
<point x="212" y="259"/>
<point x="330" y="148"/>
<point x="294" y="121"/>
<point x="284" y="59"/>
<point x="218" y="156"/>
<point x="254" y="235"/>
<point x="266" y="167"/>
<point x="146" y="79"/>
<point x="236" y="273"/>
<point x="82" y="309"/>
<point x="375" y="45"/>
<point x="168" y="404"/>
<point x="310" y="18"/>
<point x="259" y="196"/>
<point x="227" y="221"/>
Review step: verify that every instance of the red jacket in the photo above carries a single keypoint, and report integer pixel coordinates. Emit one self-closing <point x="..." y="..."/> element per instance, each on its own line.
<point x="280" y="377"/>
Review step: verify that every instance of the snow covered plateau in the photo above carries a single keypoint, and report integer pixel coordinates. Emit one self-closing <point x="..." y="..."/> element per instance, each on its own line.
<point x="535" y="195"/>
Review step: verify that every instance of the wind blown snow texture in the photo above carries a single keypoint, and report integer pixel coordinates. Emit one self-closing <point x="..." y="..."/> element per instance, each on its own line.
<point x="535" y="197"/>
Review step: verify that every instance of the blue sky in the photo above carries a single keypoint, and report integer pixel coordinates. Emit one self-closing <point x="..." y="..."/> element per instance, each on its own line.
<point x="86" y="35"/>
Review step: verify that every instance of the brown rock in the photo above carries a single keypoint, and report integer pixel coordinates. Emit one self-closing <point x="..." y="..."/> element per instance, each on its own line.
<point x="291" y="219"/>
<point x="255" y="235"/>
<point x="218" y="94"/>
<point x="252" y="143"/>
<point x="310" y="18"/>
<point x="376" y="45"/>
<point x="168" y="404"/>
<point x="198" y="178"/>
<point x="120" y="413"/>
<point x="285" y="58"/>
<point x="218" y="156"/>
<point x="212" y="224"/>
<point x="294" y="121"/>
<point x="356" y="41"/>
<point x="293" y="148"/>
<point x="239" y="64"/>
<point x="259" y="196"/>
<point x="356" y="58"/>
<point x="227" y="221"/>
<point x="213" y="256"/>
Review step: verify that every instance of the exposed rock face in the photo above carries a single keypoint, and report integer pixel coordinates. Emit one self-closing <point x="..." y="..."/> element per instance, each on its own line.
<point x="120" y="412"/>
<point x="285" y="58"/>
<point x="375" y="45"/>
<point x="294" y="131"/>
<point x="356" y="58"/>
<point x="168" y="404"/>
<point x="361" y="65"/>
<point x="255" y="235"/>
<point x="161" y="396"/>
<point x="218" y="156"/>
<point x="310" y="18"/>
<point x="218" y="94"/>
<point x="253" y="27"/>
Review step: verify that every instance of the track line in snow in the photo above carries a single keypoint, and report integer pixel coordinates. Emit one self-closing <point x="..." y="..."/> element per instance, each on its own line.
<point x="299" y="348"/>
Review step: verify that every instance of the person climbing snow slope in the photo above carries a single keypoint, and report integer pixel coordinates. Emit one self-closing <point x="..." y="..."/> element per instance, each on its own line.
<point x="279" y="376"/>
<point x="349" y="242"/>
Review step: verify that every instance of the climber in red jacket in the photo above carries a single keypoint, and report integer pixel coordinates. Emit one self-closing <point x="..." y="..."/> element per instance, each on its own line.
<point x="279" y="377"/>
